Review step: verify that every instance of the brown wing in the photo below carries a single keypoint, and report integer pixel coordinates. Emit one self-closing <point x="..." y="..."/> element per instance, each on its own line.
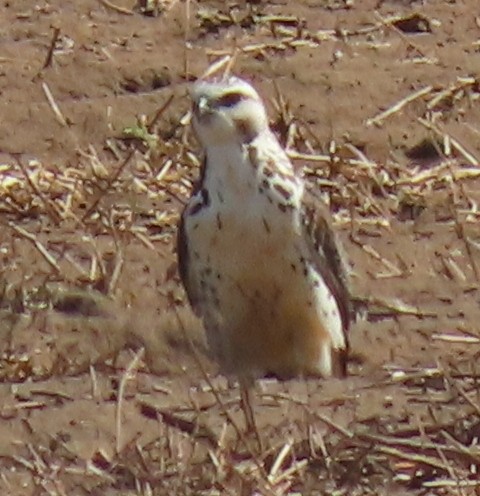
<point x="183" y="252"/>
<point x="183" y="258"/>
<point x="327" y="255"/>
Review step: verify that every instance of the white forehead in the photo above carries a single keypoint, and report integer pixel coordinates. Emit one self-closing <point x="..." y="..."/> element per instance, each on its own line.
<point x="214" y="88"/>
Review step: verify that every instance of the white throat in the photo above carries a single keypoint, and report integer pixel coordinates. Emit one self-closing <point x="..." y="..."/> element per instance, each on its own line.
<point x="229" y="176"/>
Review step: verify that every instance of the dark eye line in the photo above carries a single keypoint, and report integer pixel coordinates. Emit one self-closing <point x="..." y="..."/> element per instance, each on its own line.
<point x="229" y="100"/>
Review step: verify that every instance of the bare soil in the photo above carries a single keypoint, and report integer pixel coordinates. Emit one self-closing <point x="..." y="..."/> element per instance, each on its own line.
<point x="106" y="385"/>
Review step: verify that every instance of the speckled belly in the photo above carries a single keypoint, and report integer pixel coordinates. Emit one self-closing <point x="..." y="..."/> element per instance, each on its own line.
<point x="260" y="296"/>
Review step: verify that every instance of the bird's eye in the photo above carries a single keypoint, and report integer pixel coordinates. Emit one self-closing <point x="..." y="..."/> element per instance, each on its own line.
<point x="229" y="100"/>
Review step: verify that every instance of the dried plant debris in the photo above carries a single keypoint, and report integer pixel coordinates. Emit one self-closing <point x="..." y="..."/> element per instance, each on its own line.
<point x="106" y="382"/>
<point x="212" y="21"/>
<point x="150" y="8"/>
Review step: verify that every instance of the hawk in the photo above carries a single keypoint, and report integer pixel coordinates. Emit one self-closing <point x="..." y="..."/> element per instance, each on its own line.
<point x="258" y="257"/>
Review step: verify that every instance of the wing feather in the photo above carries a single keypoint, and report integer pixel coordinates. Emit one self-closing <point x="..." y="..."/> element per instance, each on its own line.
<point x="183" y="257"/>
<point x="327" y="255"/>
<point x="326" y="252"/>
<point x="183" y="253"/>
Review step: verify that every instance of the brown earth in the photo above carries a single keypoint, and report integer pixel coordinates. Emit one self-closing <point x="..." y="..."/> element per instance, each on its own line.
<point x="87" y="252"/>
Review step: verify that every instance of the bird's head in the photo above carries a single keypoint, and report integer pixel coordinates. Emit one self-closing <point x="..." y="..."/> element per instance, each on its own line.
<point x="226" y="111"/>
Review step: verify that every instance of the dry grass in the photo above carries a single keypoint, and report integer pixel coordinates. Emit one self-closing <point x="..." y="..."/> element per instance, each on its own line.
<point x="102" y="209"/>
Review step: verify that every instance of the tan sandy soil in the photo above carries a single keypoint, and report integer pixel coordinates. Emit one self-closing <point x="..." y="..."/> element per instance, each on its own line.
<point x="106" y="383"/>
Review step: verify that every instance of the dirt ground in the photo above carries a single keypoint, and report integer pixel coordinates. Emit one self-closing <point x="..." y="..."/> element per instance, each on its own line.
<point x="106" y="386"/>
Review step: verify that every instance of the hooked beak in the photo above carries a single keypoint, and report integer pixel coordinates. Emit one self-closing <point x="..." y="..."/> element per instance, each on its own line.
<point x="201" y="107"/>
